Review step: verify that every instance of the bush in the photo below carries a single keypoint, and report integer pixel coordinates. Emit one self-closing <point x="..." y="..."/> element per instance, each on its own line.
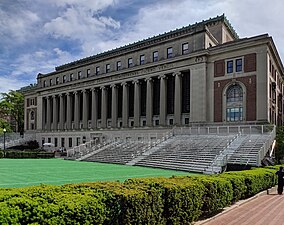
<point x="158" y="201"/>
<point x="30" y="155"/>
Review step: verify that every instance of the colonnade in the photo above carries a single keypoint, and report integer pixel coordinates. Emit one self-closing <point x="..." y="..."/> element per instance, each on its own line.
<point x="108" y="106"/>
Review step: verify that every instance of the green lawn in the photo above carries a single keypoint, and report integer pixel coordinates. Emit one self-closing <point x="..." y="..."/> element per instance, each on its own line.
<point x="30" y="172"/>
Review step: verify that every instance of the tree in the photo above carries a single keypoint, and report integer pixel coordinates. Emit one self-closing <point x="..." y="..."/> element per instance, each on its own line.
<point x="279" y="150"/>
<point x="12" y="108"/>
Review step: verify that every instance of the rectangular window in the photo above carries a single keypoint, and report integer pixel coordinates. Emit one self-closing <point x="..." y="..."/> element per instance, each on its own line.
<point x="97" y="70"/>
<point x="71" y="76"/>
<point x="130" y="62"/>
<point x="230" y="65"/>
<point x="142" y="59"/>
<point x="88" y="72"/>
<point x="44" y="83"/>
<point x="50" y="82"/>
<point x="169" y="53"/>
<point x="185" y="48"/>
<point x="239" y="65"/>
<point x="107" y="68"/>
<point x="79" y="75"/>
<point x="155" y="56"/>
<point x="118" y="65"/>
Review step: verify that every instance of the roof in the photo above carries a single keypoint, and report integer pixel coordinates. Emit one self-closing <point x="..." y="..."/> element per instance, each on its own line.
<point x="178" y="32"/>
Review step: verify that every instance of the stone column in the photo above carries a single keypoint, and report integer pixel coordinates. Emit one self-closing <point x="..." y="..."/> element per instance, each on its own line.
<point x="114" y="106"/>
<point x="94" y="108"/>
<point x="163" y="100"/>
<point x="69" y="112"/>
<point x="85" y="109"/>
<point x="177" y="110"/>
<point x="149" y="102"/>
<point x="54" y="113"/>
<point x="44" y="110"/>
<point x="136" y="103"/>
<point x="61" y="111"/>
<point x="76" y="110"/>
<point x="125" y="102"/>
<point x="48" y="113"/>
<point x="104" y="108"/>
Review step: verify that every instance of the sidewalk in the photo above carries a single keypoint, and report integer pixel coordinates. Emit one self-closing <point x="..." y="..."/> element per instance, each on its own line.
<point x="262" y="209"/>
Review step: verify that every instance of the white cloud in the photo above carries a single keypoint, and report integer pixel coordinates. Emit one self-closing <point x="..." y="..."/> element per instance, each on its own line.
<point x="7" y="84"/>
<point x="18" y="26"/>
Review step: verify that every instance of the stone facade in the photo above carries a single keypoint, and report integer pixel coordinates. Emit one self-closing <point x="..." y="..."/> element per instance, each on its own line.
<point x="202" y="73"/>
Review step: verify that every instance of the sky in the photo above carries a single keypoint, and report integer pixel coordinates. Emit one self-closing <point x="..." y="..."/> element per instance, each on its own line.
<point x="36" y="35"/>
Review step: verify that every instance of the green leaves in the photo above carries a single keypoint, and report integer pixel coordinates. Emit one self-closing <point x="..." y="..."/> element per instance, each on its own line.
<point x="176" y="200"/>
<point x="12" y="106"/>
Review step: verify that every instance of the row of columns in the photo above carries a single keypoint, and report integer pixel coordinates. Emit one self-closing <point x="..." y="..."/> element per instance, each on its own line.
<point x="54" y="122"/>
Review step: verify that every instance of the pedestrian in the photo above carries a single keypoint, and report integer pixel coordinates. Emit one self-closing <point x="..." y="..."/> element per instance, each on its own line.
<point x="280" y="175"/>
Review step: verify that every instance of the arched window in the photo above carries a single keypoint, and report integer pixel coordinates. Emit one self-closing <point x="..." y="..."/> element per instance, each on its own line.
<point x="234" y="103"/>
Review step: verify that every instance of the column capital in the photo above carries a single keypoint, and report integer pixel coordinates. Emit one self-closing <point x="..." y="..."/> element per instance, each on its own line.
<point x="113" y="86"/>
<point x="148" y="79"/>
<point x="93" y="89"/>
<point x="75" y="92"/>
<point x="103" y="87"/>
<point x="124" y="84"/>
<point x="177" y="73"/>
<point x="163" y="76"/>
<point x="136" y="81"/>
<point x="84" y="91"/>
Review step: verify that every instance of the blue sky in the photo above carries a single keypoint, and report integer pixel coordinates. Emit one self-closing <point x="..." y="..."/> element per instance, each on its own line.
<point x="36" y="35"/>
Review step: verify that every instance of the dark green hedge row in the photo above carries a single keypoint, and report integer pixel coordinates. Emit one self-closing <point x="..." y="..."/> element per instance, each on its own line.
<point x="23" y="154"/>
<point x="169" y="201"/>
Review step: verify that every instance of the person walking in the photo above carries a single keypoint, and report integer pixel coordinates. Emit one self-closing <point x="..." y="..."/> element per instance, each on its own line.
<point x="280" y="175"/>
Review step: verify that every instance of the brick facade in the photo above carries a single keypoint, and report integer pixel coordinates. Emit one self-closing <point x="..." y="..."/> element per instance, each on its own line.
<point x="250" y="84"/>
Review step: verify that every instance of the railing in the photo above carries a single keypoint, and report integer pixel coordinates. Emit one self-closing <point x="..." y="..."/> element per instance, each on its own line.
<point x="15" y="139"/>
<point x="264" y="149"/>
<point x="223" y="130"/>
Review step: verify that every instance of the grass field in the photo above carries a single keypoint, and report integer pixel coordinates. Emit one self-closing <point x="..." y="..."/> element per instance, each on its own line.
<point x="31" y="172"/>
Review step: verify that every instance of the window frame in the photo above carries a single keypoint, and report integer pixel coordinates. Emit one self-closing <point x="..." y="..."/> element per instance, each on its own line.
<point x="155" y="58"/>
<point x="169" y="52"/>
<point x="108" y="68"/>
<point x="71" y="76"/>
<point x="184" y="50"/>
<point x="118" y="65"/>
<point x="98" y="70"/>
<point x="79" y="74"/>
<point x="130" y="62"/>
<point x="142" y="61"/>
<point x="88" y="72"/>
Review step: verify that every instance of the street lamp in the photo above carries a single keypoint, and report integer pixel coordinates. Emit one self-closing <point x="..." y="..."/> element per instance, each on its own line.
<point x="4" y="131"/>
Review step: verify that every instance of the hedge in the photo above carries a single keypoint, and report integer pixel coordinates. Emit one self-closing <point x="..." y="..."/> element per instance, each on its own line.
<point x="155" y="201"/>
<point x="23" y="154"/>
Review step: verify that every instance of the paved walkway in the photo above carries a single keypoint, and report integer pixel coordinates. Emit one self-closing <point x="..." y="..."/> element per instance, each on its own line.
<point x="262" y="209"/>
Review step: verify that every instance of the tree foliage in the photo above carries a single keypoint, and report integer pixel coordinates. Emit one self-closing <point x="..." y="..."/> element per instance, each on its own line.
<point x="279" y="151"/>
<point x="12" y="106"/>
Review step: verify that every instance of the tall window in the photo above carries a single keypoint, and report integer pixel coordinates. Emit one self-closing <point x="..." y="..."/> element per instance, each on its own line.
<point x="50" y="82"/>
<point x="64" y="79"/>
<point x="239" y="65"/>
<point x="142" y="59"/>
<point x="169" y="53"/>
<point x="185" y="48"/>
<point x="71" y="76"/>
<point x="130" y="62"/>
<point x="230" y="66"/>
<point x="107" y="68"/>
<point x="79" y="75"/>
<point x="57" y="80"/>
<point x="155" y="56"/>
<point x="97" y="70"/>
<point x="118" y="65"/>
<point x="234" y="103"/>
<point x="88" y="72"/>
<point x="44" y="83"/>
